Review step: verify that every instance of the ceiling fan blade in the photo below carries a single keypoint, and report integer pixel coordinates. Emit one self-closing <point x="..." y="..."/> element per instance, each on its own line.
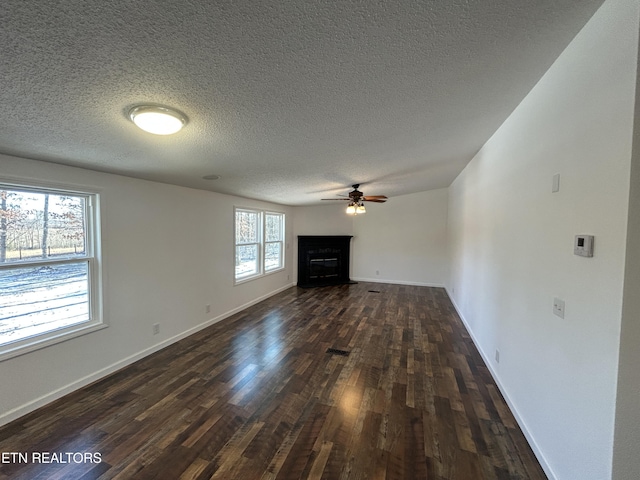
<point x="356" y="197"/>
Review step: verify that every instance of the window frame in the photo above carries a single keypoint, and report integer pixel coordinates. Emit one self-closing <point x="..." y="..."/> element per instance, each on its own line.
<point x="258" y="242"/>
<point x="261" y="243"/>
<point x="92" y="257"/>
<point x="280" y="241"/>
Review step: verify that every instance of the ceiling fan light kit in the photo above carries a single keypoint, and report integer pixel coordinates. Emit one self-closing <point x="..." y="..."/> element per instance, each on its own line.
<point x="157" y="120"/>
<point x="356" y="209"/>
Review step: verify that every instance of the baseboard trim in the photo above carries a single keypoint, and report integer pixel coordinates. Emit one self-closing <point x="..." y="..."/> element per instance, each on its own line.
<point x="29" y="407"/>
<point x="397" y="282"/>
<point x="521" y="423"/>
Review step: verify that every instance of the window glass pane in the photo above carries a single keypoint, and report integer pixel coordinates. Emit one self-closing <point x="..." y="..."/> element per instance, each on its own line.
<point x="34" y="300"/>
<point x="246" y="260"/>
<point x="272" y="255"/>
<point x="37" y="225"/>
<point x="247" y="227"/>
<point x="273" y="227"/>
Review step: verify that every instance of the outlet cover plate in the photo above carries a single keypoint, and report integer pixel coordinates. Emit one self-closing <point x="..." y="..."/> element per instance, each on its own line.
<point x="558" y="307"/>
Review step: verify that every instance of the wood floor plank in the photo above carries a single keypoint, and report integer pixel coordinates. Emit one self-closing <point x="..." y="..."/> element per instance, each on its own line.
<point x="320" y="461"/>
<point x="257" y="396"/>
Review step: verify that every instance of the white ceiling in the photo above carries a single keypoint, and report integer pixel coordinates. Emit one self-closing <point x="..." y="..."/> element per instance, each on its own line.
<point x="288" y="101"/>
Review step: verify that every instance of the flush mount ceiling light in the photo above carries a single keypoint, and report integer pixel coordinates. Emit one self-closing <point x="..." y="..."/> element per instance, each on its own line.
<point x="157" y="120"/>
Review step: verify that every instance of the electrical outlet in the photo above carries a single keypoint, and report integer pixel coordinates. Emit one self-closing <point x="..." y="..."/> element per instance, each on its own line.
<point x="558" y="307"/>
<point x="497" y="356"/>
<point x="156" y="328"/>
<point x="377" y="272"/>
<point x="208" y="308"/>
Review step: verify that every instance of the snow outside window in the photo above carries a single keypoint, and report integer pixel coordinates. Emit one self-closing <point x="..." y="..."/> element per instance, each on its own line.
<point x="49" y="267"/>
<point x="259" y="243"/>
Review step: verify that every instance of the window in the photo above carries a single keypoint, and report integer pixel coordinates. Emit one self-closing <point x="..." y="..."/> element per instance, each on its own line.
<point x="49" y="267"/>
<point x="259" y="240"/>
<point x="273" y="241"/>
<point x="247" y="243"/>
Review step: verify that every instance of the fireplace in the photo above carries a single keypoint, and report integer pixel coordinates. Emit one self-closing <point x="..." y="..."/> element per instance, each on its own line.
<point x="323" y="260"/>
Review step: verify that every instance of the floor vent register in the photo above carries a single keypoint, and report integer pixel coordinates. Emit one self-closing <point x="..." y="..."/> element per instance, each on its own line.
<point x="337" y="351"/>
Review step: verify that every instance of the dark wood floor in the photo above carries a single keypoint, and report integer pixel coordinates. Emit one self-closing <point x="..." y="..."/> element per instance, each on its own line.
<point x="256" y="396"/>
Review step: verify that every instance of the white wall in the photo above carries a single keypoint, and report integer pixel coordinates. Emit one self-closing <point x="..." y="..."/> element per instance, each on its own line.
<point x="403" y="240"/>
<point x="511" y="245"/>
<point x="626" y="461"/>
<point x="322" y="220"/>
<point x="168" y="252"/>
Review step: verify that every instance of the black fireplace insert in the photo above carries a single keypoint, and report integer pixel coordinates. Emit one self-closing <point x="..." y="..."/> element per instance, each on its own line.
<point x="323" y="260"/>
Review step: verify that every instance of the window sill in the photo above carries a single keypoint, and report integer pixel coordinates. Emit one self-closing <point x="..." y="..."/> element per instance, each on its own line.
<point x="256" y="277"/>
<point x="27" y="345"/>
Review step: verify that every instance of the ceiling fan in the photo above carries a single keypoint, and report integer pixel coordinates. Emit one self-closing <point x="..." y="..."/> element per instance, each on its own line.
<point x="357" y="198"/>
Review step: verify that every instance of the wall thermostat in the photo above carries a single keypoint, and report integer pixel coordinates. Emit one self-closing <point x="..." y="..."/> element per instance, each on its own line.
<point x="583" y="245"/>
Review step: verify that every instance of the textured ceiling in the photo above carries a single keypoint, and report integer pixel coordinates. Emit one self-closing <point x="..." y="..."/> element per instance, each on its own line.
<point x="288" y="101"/>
